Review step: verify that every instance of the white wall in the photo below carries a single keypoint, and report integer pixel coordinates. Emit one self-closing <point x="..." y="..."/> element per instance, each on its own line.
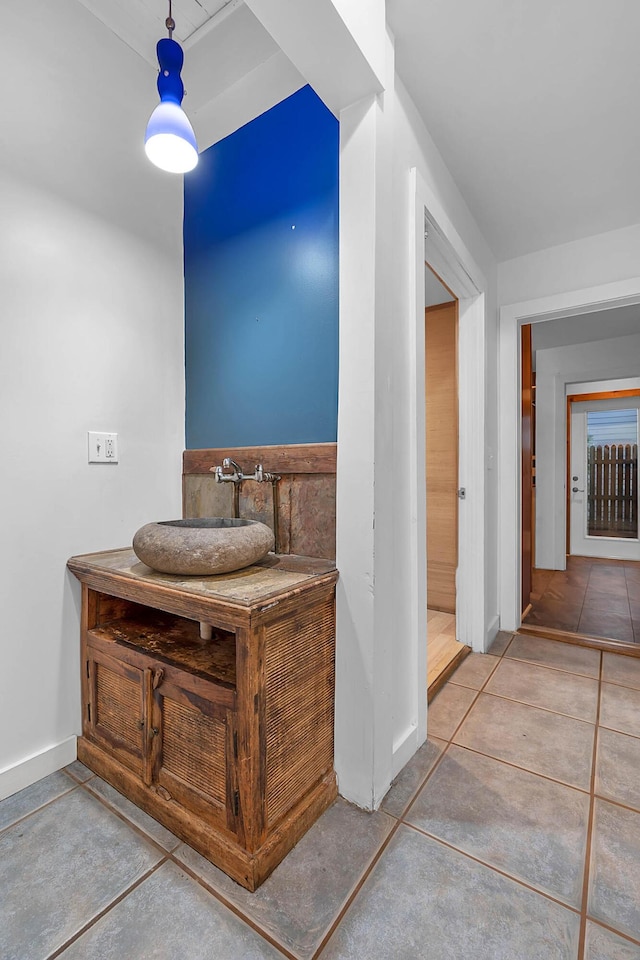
<point x="618" y="358"/>
<point x="382" y="139"/>
<point x="92" y="338"/>
<point x="582" y="264"/>
<point x="603" y="386"/>
<point x="97" y="284"/>
<point x="586" y="328"/>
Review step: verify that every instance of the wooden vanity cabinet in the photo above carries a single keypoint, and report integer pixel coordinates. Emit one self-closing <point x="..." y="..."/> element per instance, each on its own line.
<point x="228" y="742"/>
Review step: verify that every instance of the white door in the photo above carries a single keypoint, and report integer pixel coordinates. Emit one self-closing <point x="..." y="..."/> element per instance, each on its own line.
<point x="604" y="479"/>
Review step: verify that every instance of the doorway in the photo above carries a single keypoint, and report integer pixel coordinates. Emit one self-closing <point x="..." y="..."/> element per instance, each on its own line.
<point x="444" y="651"/>
<point x="595" y="595"/>
<point x="584" y="343"/>
<point x="434" y="239"/>
<point x="602" y="486"/>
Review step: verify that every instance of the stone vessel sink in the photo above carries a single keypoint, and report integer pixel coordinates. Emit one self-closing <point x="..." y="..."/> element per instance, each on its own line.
<point x="203" y="546"/>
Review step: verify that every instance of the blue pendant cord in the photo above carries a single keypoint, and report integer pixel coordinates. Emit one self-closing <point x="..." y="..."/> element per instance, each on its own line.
<point x="170" y="59"/>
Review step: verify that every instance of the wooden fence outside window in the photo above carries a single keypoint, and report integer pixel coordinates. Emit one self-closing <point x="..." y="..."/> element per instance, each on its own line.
<point x="612" y="490"/>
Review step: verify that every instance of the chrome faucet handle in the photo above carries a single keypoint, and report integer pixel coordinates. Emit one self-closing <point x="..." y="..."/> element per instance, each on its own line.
<point x="227" y="464"/>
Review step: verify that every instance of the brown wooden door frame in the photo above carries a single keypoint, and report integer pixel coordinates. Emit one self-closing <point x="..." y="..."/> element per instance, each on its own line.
<point x="527" y="412"/>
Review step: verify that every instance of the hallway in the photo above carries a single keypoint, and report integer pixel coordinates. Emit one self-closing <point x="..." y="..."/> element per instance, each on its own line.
<point x="514" y="832"/>
<point x="595" y="597"/>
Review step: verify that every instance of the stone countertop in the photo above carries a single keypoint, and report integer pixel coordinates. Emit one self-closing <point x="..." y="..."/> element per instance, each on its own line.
<point x="272" y="579"/>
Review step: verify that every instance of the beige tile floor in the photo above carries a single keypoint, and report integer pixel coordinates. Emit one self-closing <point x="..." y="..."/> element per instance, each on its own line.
<point x="513" y="834"/>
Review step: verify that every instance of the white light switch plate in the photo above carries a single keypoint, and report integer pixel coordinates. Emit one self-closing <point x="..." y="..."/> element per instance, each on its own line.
<point x="103" y="447"/>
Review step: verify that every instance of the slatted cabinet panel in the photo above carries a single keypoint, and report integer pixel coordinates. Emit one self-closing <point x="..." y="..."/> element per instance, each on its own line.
<point x="299" y="669"/>
<point x="193" y="755"/>
<point x="115" y="713"/>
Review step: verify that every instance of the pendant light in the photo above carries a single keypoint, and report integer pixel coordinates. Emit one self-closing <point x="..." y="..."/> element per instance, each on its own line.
<point x="170" y="142"/>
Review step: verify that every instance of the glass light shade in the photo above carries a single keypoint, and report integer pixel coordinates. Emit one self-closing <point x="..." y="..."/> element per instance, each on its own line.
<point x="170" y="142"/>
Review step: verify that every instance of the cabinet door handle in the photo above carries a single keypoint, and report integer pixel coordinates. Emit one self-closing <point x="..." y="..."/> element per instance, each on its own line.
<point x="158" y="677"/>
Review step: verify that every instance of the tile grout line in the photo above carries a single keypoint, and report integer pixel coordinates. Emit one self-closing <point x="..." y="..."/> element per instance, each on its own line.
<point x="617" y="683"/>
<point x="422" y="784"/>
<point x="584" y="600"/>
<point x="487" y="678"/>
<point x="625" y="733"/>
<point x="42" y="806"/>
<point x="447" y="743"/>
<point x="130" y="823"/>
<point x="113" y="903"/>
<point x="475" y="699"/>
<point x="515" y="766"/>
<point x="234" y="908"/>
<point x="537" y="706"/>
<point x="549" y="666"/>
<point x="618" y="933"/>
<point x="169" y="856"/>
<point x="399" y="822"/>
<point x="77" y="779"/>
<point x="494" y="869"/>
<point x="356" y="890"/>
<point x="592" y="803"/>
<point x="616" y="803"/>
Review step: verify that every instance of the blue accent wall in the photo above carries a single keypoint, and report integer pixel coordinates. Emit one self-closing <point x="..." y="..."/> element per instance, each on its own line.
<point x="261" y="281"/>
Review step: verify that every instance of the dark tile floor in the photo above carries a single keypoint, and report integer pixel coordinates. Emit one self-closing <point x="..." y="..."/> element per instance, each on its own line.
<point x="597" y="597"/>
<point x="513" y="834"/>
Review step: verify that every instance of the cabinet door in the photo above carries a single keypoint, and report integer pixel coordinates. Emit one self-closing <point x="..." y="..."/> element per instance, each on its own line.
<point x="192" y="752"/>
<point x="116" y="708"/>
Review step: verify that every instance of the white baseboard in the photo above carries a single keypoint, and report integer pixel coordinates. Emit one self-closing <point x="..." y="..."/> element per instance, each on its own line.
<point x="403" y="749"/>
<point x="25" y="772"/>
<point x="492" y="632"/>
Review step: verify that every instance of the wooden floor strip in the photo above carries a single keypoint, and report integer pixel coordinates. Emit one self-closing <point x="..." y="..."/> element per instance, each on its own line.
<point x="444" y="652"/>
<point x="582" y="640"/>
<point x="436" y="685"/>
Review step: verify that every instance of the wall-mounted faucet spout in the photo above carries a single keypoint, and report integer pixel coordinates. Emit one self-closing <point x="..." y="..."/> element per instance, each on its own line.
<point x="228" y="464"/>
<point x="236" y="477"/>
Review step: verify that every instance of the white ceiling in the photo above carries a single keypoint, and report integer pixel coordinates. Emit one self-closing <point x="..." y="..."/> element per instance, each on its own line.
<point x="141" y="23"/>
<point x="534" y="108"/>
<point x="234" y="70"/>
<point x="586" y="328"/>
<point x="533" y="105"/>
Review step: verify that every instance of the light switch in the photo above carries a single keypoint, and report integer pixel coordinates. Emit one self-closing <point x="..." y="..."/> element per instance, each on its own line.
<point x="103" y="447"/>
